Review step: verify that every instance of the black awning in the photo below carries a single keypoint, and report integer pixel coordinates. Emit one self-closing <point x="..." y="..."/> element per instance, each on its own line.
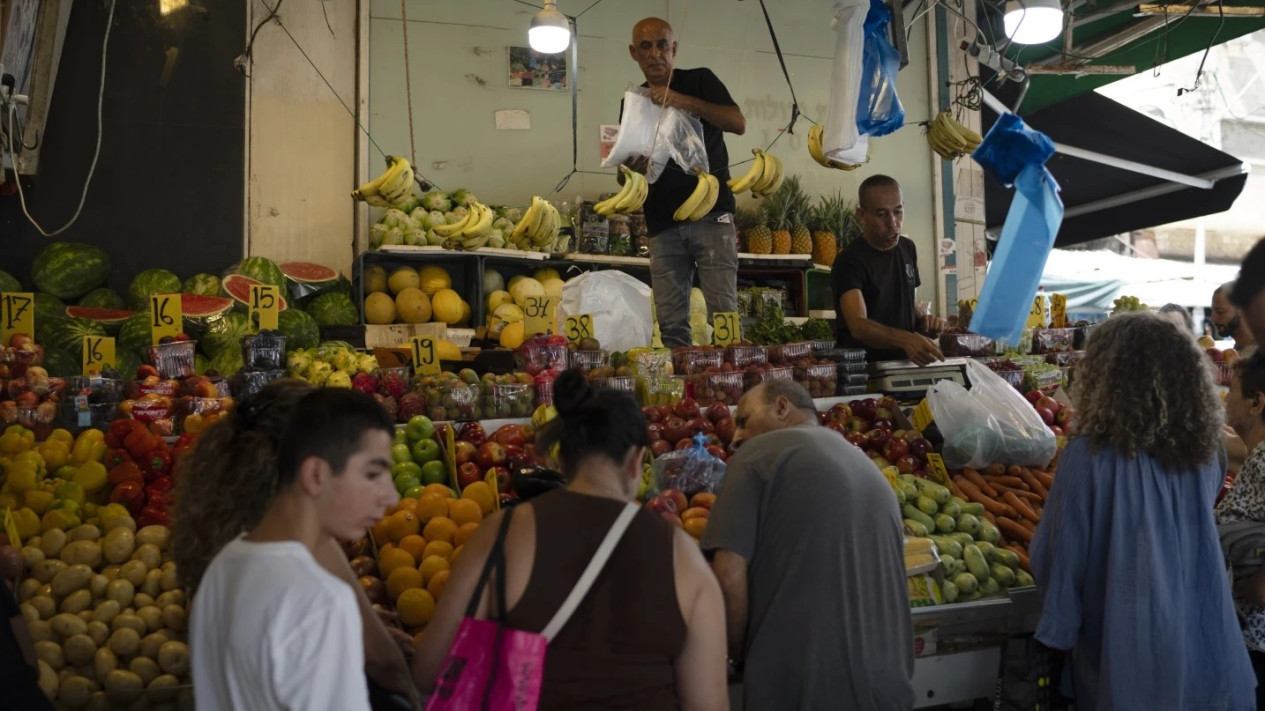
<point x="1102" y="200"/>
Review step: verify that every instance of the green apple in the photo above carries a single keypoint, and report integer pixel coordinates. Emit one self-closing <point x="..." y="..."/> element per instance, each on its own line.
<point x="413" y="492"/>
<point x="401" y="453"/>
<point x="420" y="428"/>
<point x="409" y="468"/>
<point x="400" y="436"/>
<point x="434" y="472"/>
<point x="426" y="450"/>
<point x="404" y="482"/>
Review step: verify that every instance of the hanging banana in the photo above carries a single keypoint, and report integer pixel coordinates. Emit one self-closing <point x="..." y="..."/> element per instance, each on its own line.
<point x="701" y="200"/>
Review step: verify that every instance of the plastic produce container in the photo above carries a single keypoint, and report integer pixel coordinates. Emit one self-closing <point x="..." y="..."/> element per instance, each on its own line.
<point x="1052" y="340"/>
<point x="690" y="360"/>
<point x="709" y="388"/>
<point x="535" y="357"/>
<point x="587" y="361"/>
<point x="175" y="359"/>
<point x="820" y="346"/>
<point x="249" y="382"/>
<point x="819" y="380"/>
<point x="663" y="390"/>
<point x="788" y="352"/>
<point x="452" y="401"/>
<point x="754" y="375"/>
<point x="965" y="345"/>
<point x="622" y="383"/>
<point x="510" y="400"/>
<point x="264" y="351"/>
<point x="743" y="356"/>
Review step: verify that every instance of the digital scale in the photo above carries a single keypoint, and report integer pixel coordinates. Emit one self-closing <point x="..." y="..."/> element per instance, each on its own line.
<point x="903" y="377"/>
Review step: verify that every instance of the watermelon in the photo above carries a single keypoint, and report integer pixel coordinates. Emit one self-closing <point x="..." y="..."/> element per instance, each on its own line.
<point x="69" y="270"/>
<point x="61" y="364"/>
<point x="200" y="363"/>
<point x="307" y="272"/>
<point x="127" y="363"/>
<point x="227" y="362"/>
<point x="48" y="307"/>
<point x="200" y="307"/>
<point x="8" y="282"/>
<point x="134" y="334"/>
<point x="226" y="334"/>
<point x="300" y="329"/>
<point x="237" y="288"/>
<point x="333" y="308"/>
<point x="110" y="319"/>
<point x="262" y="270"/>
<point x="67" y="334"/>
<point x="102" y="298"/>
<point x="148" y="283"/>
<point x="202" y="285"/>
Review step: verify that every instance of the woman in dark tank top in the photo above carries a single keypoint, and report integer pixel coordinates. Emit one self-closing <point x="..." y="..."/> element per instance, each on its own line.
<point x="650" y="633"/>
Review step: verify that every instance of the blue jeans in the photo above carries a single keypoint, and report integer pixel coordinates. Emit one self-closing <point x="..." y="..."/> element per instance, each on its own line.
<point x="709" y="248"/>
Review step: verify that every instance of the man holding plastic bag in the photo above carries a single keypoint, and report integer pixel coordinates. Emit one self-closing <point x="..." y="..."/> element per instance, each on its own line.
<point x="707" y="246"/>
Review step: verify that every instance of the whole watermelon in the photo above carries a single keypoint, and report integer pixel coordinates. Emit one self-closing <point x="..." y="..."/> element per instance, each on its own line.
<point x="333" y="308"/>
<point x="66" y="334"/>
<point x="69" y="270"/>
<point x="227" y="362"/>
<point x="200" y="363"/>
<point x="102" y="298"/>
<point x="127" y="363"/>
<point x="261" y="269"/>
<point x="202" y="284"/>
<point x="61" y="364"/>
<point x="8" y="282"/>
<point x="300" y="329"/>
<point x="226" y="334"/>
<point x="148" y="283"/>
<point x="48" y="307"/>
<point x="134" y="334"/>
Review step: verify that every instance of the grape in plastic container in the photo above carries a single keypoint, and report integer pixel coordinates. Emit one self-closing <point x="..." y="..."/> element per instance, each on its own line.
<point x="820" y="380"/>
<point x="743" y="356"/>
<point x="710" y="388"/>
<point x="786" y="353"/>
<point x="173" y="360"/>
<point x="689" y="360"/>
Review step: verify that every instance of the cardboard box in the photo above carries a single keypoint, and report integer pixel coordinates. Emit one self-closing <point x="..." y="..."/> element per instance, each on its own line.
<point x="402" y="334"/>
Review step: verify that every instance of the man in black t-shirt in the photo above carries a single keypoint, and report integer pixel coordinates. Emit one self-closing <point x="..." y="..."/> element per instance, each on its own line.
<point x="873" y="280"/>
<point x="709" y="246"/>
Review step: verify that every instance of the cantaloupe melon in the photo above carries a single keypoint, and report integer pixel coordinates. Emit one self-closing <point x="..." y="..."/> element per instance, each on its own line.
<point x="375" y="279"/>
<point x="446" y="306"/>
<point x="447" y="350"/>
<point x="380" y="308"/>
<point x="546" y="273"/>
<point x="492" y="281"/>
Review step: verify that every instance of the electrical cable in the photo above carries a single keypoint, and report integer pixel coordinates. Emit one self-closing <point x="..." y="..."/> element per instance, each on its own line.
<point x="1199" y="72"/>
<point x="244" y="58"/>
<point x="96" y="153"/>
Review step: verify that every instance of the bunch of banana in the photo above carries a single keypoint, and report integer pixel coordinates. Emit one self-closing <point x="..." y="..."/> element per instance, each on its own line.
<point x="951" y="139"/>
<point x="701" y="201"/>
<point x="391" y="188"/>
<point x="537" y="231"/>
<point x="764" y="177"/>
<point x="819" y="155"/>
<point x="627" y="200"/>
<point x="470" y="232"/>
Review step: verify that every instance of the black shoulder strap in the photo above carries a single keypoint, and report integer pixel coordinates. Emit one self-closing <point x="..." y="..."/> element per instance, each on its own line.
<point x="496" y="554"/>
<point x="777" y="49"/>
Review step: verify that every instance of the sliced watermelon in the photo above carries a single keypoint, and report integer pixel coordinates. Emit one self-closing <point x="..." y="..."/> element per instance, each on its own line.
<point x="237" y="288"/>
<point x="109" y="317"/>
<point x="308" y="272"/>
<point x="203" y="307"/>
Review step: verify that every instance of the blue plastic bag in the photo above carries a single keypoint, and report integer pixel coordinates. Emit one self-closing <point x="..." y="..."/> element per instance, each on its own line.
<point x="1009" y="147"/>
<point x="1026" y="240"/>
<point x="878" y="107"/>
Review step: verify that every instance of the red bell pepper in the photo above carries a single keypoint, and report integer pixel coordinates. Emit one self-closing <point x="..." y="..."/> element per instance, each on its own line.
<point x="127" y="471"/>
<point x="121" y="428"/>
<point x="151" y="516"/>
<point x="157" y="499"/>
<point x="157" y="463"/>
<point x="116" y="457"/>
<point x="139" y="442"/>
<point x="131" y="494"/>
<point x="162" y="483"/>
<point x="183" y="446"/>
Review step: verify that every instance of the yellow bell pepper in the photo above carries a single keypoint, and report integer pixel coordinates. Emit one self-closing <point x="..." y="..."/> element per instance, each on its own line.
<point x="60" y="435"/>
<point x="91" y="476"/>
<point x="28" y="523"/>
<point x="37" y="500"/>
<point x="59" y="518"/>
<point x="67" y="505"/>
<point x="70" y="492"/>
<point x="32" y="458"/>
<point x="8" y="501"/>
<point x="88" y="448"/>
<point x="56" y="453"/>
<point x="65" y="473"/>
<point x="22" y="476"/>
<point x="12" y="442"/>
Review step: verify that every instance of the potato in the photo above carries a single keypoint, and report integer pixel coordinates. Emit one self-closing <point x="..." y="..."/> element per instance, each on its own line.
<point x="123" y="685"/>
<point x="152" y="585"/>
<point x="129" y="620"/>
<point x="29" y="612"/>
<point x="48" y="678"/>
<point x="64" y="673"/>
<point x="27" y="589"/>
<point x="153" y="618"/>
<point x="87" y="615"/>
<point x="155" y="535"/>
<point x="52" y="541"/>
<point x="98" y="632"/>
<point x="114" y="522"/>
<point x="86" y="552"/>
<point x="84" y="532"/>
<point x="125" y="641"/>
<point x="51" y="654"/>
<point x="103" y="662"/>
<point x="171" y="597"/>
<point x="99" y="702"/>
<point x="71" y="578"/>
<point x="31" y="555"/>
<point x="98" y="585"/>
<point x="173" y="657"/>
<point x="146" y="668"/>
<point x="170" y="580"/>
<point x="79" y="649"/>
<point x="140" y="600"/>
<point x="175" y="618"/>
<point x="149" y="554"/>
<point x="40" y="631"/>
<point x="68" y="625"/>
<point x="44" y="605"/>
<point x="111" y="572"/>
<point x="134" y="572"/>
<point x="107" y="611"/>
<point x="77" y="602"/>
<point x="118" y="545"/>
<point x="75" y="692"/>
<point x="162" y="688"/>
<point x="121" y="591"/>
<point x="44" y="570"/>
<point x="153" y="642"/>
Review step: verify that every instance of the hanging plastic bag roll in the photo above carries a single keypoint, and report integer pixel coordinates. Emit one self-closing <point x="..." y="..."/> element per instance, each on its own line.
<point x="1010" y="146"/>
<point x="840" y="135"/>
<point x="878" y="107"/>
<point x="620" y="306"/>
<point x="664" y="134"/>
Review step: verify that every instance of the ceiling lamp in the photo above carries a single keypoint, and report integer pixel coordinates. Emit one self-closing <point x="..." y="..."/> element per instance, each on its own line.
<point x="1033" y="21"/>
<point x="550" y="32"/>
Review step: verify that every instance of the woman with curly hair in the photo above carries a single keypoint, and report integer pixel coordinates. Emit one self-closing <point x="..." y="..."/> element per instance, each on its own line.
<point x="266" y="494"/>
<point x="1127" y="555"/>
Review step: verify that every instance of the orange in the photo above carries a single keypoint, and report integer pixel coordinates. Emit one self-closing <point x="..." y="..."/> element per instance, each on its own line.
<point x="402" y="579"/>
<point x="391" y="558"/>
<point x="695" y="512"/>
<point x="415" y="607"/>
<point x="431" y="566"/>
<point x="441" y="489"/>
<point x="443" y="549"/>
<point x="463" y="511"/>
<point x="431" y="505"/>
<point x="401" y="524"/>
<point x="456" y="553"/>
<point x="379" y="532"/>
<point x="415" y="545"/>
<point x="407" y="504"/>
<point x="695" y="527"/>
<point x="440" y="529"/>
<point x="436" y="585"/>
<point x="482" y="494"/>
<point x="464" y="532"/>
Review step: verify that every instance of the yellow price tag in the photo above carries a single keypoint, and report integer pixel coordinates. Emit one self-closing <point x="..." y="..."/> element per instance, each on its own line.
<point x="540" y="315"/>
<point x="935" y="466"/>
<point x="1036" y="314"/>
<point x="166" y="318"/>
<point x="490" y="480"/>
<point x="11" y="530"/>
<point x="425" y="359"/>
<point x="921" y="417"/>
<point x="1058" y="311"/>
<point x="726" y="328"/>
<point x="890" y="473"/>
<point x="264" y="303"/>
<point x="579" y="327"/>
<point x="17" y="315"/>
<point x="98" y="354"/>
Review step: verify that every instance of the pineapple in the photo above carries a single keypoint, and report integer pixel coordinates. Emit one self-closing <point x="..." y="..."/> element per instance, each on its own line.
<point x="753" y="232"/>
<point x="778" y="209"/>
<point x="825" y="243"/>
<point x="799" y="211"/>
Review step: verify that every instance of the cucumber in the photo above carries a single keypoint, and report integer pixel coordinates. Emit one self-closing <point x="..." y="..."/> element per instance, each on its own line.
<point x="1002" y="574"/>
<point x="912" y="511"/>
<point x="915" y="528"/>
<point x="972" y="597"/>
<point x="1023" y="580"/>
<point x="966" y="583"/>
<point x="947" y="561"/>
<point x="957" y="500"/>
<point x="954" y="566"/>
<point x="1005" y="557"/>
<point x="907" y="478"/>
<point x="974" y="508"/>
<point x="947" y="546"/>
<point x="909" y="490"/>
<point x="927" y="505"/>
<point x="945" y="523"/>
<point x="990" y="586"/>
<point x="952" y="509"/>
<point x="965" y="539"/>
<point x="949" y="590"/>
<point x="938" y="493"/>
<point x="975" y="562"/>
<point x="986" y="548"/>
<point x="900" y="497"/>
<point x="968" y="524"/>
<point x="987" y="531"/>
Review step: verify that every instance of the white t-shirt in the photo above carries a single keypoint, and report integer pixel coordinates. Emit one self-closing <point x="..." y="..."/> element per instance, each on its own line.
<point x="272" y="629"/>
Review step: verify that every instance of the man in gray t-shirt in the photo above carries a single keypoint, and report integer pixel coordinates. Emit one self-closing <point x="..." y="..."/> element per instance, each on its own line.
<point x="809" y="550"/>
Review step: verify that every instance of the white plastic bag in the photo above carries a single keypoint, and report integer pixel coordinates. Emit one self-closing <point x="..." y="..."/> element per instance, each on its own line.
<point x="648" y="129"/>
<point x="989" y="424"/>
<point x="840" y="134"/>
<point x="620" y="306"/>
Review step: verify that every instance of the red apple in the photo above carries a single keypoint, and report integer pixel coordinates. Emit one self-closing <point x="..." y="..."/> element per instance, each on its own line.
<point x="666" y="412"/>
<point x="464" y="451"/>
<point x="725" y="430"/>
<point x="468" y="474"/>
<point x="516" y="456"/>
<point x="717" y="412"/>
<point x="866" y="408"/>
<point x="1046" y="416"/>
<point x="684" y="444"/>
<point x="1064" y="416"/>
<point x="651" y="413"/>
<point x="660" y="447"/>
<point x="857" y="424"/>
<point x="660" y="505"/>
<point x="27" y="400"/>
<point x="654" y="432"/>
<point x="674" y="429"/>
<point x="889" y="402"/>
<point x="906" y="464"/>
<point x="883" y="424"/>
<point x="1058" y="431"/>
<point x="20" y="341"/>
<point x="856" y="439"/>
<point x="836" y="426"/>
<point x="895" y="448"/>
<point x="717" y="452"/>
<point x="490" y="454"/>
<point x="919" y="448"/>
<point x="510" y="434"/>
<point x="677" y="497"/>
<point x="1049" y="403"/>
<point x="882" y="413"/>
<point x="504" y="481"/>
<point x="839" y="413"/>
<point x="877" y="438"/>
<point x="1034" y="395"/>
<point x="687" y="408"/>
<point x="473" y="433"/>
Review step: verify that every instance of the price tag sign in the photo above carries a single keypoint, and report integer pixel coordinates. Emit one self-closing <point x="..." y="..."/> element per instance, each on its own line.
<point x="264" y="301"/>
<point x="165" y="318"/>
<point x="425" y="359"/>
<point x="1058" y="311"/>
<point x="1036" y="314"/>
<point x="98" y="354"/>
<point x="539" y="315"/>
<point x="935" y="466"/>
<point x="491" y="481"/>
<point x="11" y="529"/>
<point x="726" y="328"/>
<point x="17" y="315"/>
<point x="921" y="418"/>
<point x="579" y="327"/>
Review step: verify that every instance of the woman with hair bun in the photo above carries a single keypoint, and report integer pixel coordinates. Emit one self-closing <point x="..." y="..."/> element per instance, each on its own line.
<point x="650" y="632"/>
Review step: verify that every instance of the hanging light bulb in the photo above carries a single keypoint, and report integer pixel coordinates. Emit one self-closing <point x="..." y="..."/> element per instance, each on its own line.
<point x="1033" y="21"/>
<point x="550" y="32"/>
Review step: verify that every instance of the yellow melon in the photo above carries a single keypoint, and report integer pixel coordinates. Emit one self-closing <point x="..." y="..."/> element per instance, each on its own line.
<point x="524" y="288"/>
<point x="497" y="298"/>
<point x="413" y="305"/>
<point x="380" y="308"/>
<point x="403" y="278"/>
<point x="509" y="285"/>
<point x="465" y="313"/>
<point x="546" y="273"/>
<point x="434" y="278"/>
<point x="447" y="306"/>
<point x="375" y="279"/>
<point x="447" y="350"/>
<point x="553" y="287"/>
<point x="508" y="313"/>
<point x="512" y="335"/>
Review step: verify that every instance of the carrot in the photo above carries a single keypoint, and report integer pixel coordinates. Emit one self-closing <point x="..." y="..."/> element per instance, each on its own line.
<point x="991" y="518"/>
<point x="1021" y="506"/>
<point x="975" y="478"/>
<point x="995" y="470"/>
<point x="1013" y="482"/>
<point x="1023" y="556"/>
<point x="1034" y="483"/>
<point x="1046" y="479"/>
<point x="990" y="504"/>
<point x="1025" y="495"/>
<point x="1012" y="529"/>
<point x="1032" y="527"/>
